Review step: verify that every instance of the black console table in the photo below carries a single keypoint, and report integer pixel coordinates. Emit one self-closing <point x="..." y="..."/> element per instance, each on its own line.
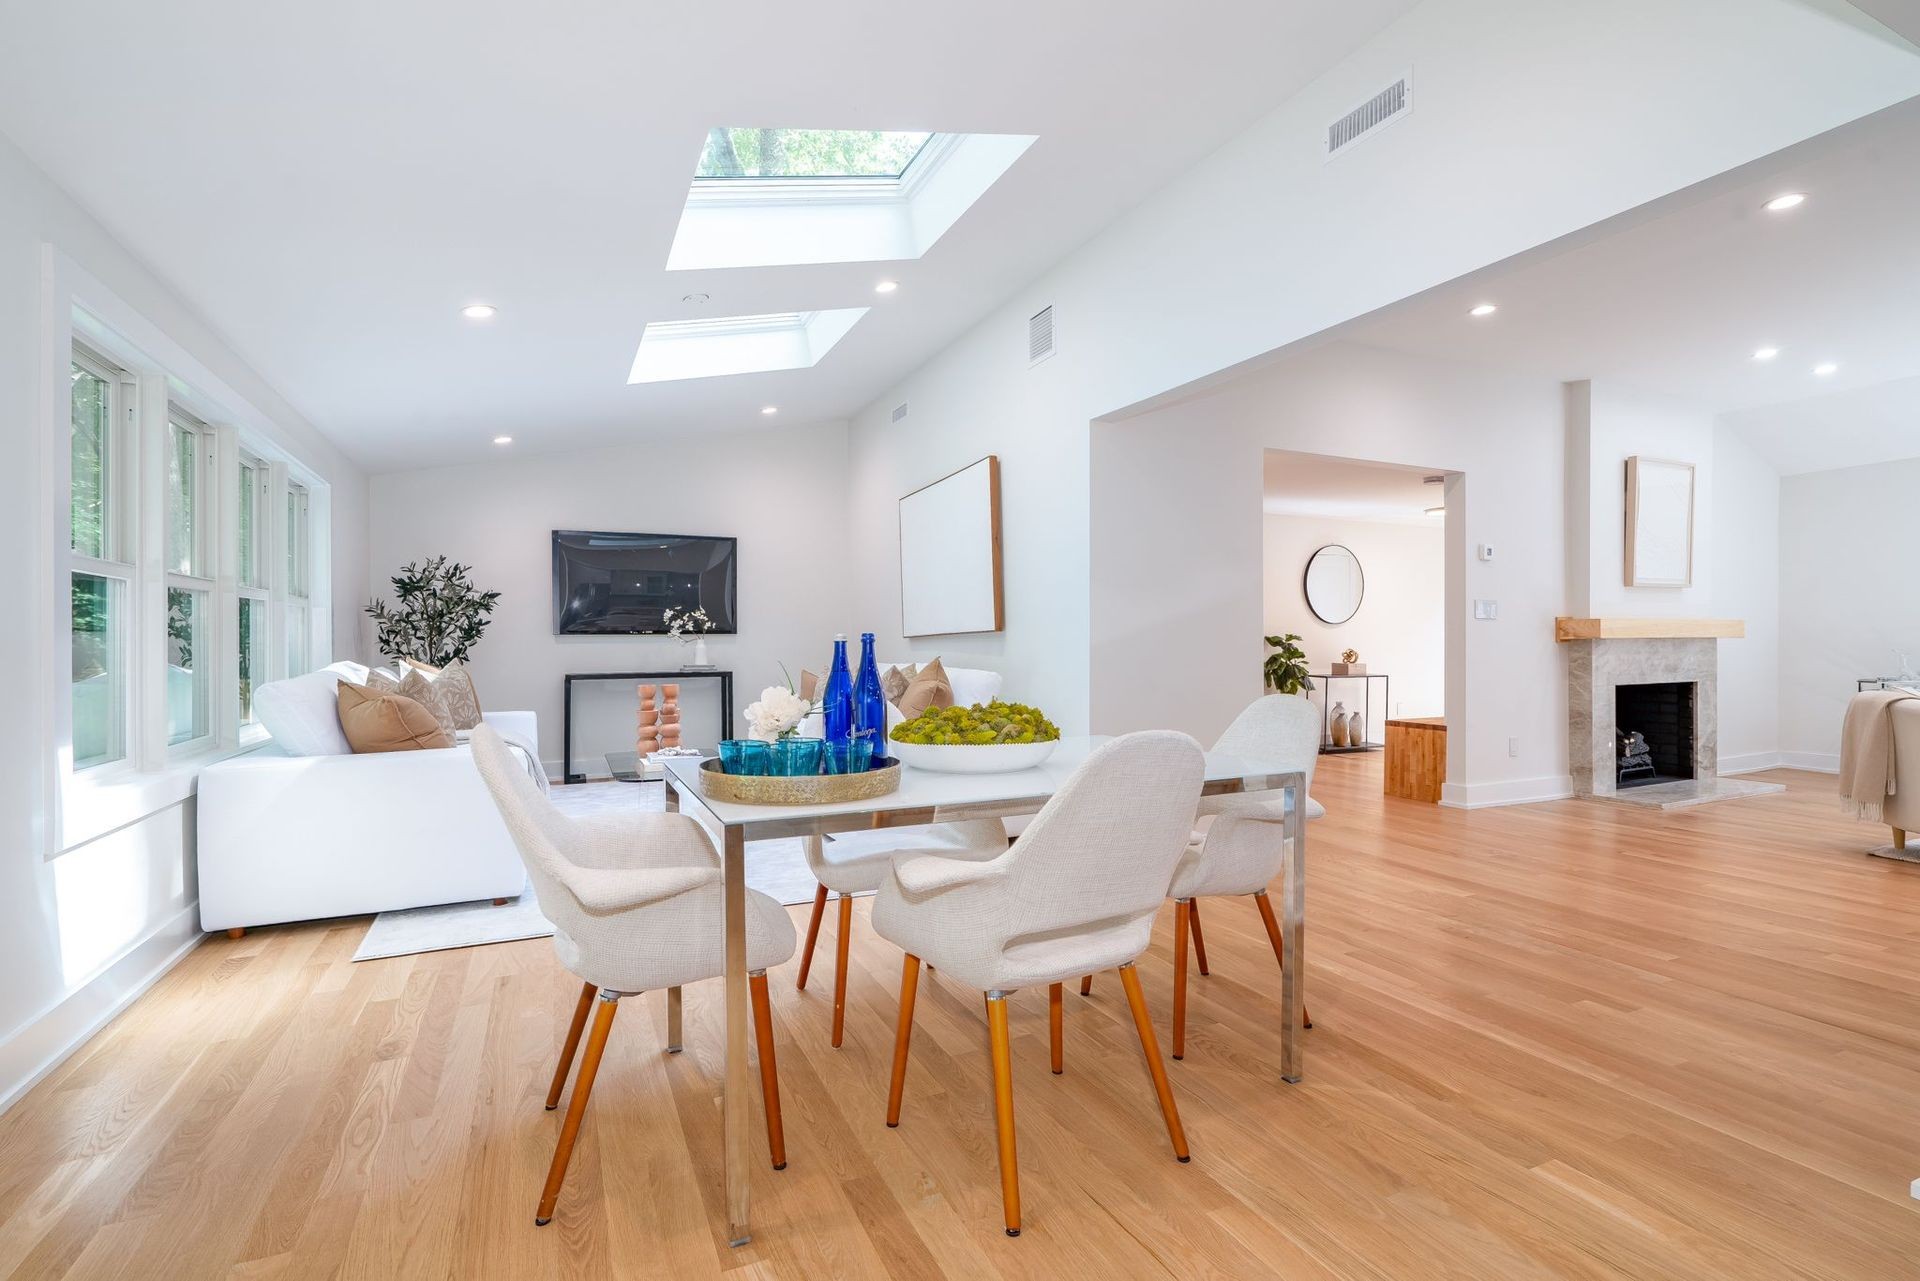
<point x="675" y="677"/>
<point x="1366" y="680"/>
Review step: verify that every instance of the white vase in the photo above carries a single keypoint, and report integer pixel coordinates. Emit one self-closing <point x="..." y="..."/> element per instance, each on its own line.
<point x="1337" y="725"/>
<point x="700" y="652"/>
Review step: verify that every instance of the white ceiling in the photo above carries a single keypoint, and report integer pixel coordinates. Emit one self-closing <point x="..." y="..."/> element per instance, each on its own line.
<point x="1315" y="485"/>
<point x="1675" y="299"/>
<point x="329" y="184"/>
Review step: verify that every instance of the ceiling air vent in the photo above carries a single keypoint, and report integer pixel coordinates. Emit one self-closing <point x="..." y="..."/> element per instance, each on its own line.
<point x="900" y="411"/>
<point x="1391" y="103"/>
<point x="1040" y="335"/>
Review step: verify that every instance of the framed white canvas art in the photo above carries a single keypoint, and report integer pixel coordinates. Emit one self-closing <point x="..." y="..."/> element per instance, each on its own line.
<point x="1659" y="523"/>
<point x="950" y="554"/>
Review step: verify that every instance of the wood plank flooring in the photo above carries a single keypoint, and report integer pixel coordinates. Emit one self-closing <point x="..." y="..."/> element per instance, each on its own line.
<point x="1568" y="1040"/>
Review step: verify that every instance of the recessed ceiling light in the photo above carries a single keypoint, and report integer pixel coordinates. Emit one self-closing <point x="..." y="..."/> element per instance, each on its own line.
<point x="1785" y="201"/>
<point x="503" y="440"/>
<point x="1825" y="369"/>
<point x="770" y="409"/>
<point x="478" y="311"/>
<point x="1484" y="309"/>
<point x="694" y="298"/>
<point x="886" y="286"/>
<point x="1765" y="353"/>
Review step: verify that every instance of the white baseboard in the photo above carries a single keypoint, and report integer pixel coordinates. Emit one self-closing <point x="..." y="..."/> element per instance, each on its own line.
<point x="1818" y="762"/>
<point x="48" y="1041"/>
<point x="1750" y="763"/>
<point x="1518" y="791"/>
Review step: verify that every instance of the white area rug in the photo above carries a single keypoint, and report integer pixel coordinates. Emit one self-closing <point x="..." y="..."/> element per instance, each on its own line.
<point x="777" y="869"/>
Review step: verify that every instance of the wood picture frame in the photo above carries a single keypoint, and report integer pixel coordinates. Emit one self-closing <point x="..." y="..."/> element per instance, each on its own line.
<point x="951" y="580"/>
<point x="1659" y="526"/>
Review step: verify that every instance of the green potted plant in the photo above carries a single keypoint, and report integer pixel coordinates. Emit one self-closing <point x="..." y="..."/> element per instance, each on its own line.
<point x="1286" y="667"/>
<point x="437" y="615"/>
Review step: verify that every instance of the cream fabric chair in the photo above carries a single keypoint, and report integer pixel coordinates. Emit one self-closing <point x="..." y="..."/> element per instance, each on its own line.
<point x="1237" y="841"/>
<point x="636" y="905"/>
<point x="1077" y="892"/>
<point x="857" y="863"/>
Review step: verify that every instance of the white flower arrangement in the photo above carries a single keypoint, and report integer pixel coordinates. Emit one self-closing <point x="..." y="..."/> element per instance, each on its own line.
<point x="777" y="715"/>
<point x="685" y="624"/>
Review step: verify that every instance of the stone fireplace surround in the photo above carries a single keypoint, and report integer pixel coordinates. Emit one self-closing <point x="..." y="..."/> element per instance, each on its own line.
<point x="1597" y="663"/>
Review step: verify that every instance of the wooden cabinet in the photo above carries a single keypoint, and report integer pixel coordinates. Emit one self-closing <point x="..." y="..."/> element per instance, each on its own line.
<point x="1416" y="757"/>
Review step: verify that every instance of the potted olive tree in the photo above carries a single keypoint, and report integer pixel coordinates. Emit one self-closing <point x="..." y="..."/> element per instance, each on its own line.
<point x="437" y="614"/>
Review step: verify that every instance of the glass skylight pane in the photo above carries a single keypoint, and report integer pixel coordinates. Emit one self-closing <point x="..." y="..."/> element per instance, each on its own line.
<point x="808" y="153"/>
<point x="722" y="325"/>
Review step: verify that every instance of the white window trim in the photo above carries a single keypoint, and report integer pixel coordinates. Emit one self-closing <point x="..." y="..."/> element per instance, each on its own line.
<point x="81" y="806"/>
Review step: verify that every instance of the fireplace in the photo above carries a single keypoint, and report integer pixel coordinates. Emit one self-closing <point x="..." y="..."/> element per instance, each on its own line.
<point x="1654" y="731"/>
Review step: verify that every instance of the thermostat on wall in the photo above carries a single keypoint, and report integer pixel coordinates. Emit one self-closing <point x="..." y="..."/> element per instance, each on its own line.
<point x="1484" y="551"/>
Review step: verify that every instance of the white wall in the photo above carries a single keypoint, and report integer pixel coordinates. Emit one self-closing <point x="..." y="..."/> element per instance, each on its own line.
<point x="1178" y="547"/>
<point x="83" y="932"/>
<point x="1531" y="122"/>
<point x="1400" y="629"/>
<point x="1747" y="572"/>
<point x="1849" y="595"/>
<point x="781" y="492"/>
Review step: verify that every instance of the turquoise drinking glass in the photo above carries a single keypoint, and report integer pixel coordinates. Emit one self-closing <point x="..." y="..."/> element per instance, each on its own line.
<point x="797" y="757"/>
<point x="745" y="756"/>
<point x="849" y="756"/>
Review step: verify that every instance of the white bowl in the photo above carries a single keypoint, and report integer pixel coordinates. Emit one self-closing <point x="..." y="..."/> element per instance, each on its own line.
<point x="989" y="758"/>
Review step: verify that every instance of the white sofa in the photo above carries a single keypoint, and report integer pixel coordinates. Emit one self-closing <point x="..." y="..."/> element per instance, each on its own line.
<point x="285" y="837"/>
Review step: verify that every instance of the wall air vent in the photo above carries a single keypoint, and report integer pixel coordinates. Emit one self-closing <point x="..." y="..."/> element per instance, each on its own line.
<point x="900" y="411"/>
<point x="1371" y="116"/>
<point x="1040" y="335"/>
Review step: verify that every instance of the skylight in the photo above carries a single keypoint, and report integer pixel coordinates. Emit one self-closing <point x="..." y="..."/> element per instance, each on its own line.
<point x="732" y="154"/>
<point x="674" y="349"/>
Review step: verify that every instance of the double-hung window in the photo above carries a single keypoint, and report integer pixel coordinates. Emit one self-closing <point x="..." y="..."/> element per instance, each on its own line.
<point x="191" y="513"/>
<point x="102" y="571"/>
<point x="299" y="534"/>
<point x="253" y="577"/>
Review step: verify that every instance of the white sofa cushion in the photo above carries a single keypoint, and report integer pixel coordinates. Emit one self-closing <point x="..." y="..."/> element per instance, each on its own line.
<point x="302" y="713"/>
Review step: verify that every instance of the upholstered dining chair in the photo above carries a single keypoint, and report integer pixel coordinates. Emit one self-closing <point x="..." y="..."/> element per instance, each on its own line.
<point x="636" y="906"/>
<point x="1237" y="841"/>
<point x="1076" y="892"/>
<point x="853" y="863"/>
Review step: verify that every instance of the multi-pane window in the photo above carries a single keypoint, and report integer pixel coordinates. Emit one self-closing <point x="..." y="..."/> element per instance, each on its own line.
<point x="188" y="570"/>
<point x="190" y="661"/>
<point x="101" y="573"/>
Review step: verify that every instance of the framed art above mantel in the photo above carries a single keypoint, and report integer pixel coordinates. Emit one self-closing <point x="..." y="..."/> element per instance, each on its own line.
<point x="950" y="577"/>
<point x="1659" y="551"/>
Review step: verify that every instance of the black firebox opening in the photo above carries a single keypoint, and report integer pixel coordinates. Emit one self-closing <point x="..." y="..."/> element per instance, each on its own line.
<point x="1654" y="728"/>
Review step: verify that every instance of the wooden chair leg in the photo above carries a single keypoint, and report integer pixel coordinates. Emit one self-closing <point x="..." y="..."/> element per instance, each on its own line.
<point x="1279" y="947"/>
<point x="1182" y="916"/>
<point x="1056" y="1029"/>
<point x="769" y="1070"/>
<point x="573" y="1043"/>
<point x="1086" y="985"/>
<point x="840" y="968"/>
<point x="902" y="1034"/>
<point x="1003" y="1109"/>
<point x="1150" y="1047"/>
<point x="674" y="1020"/>
<point x="577" y="1106"/>
<point x="1199" y="940"/>
<point x="1899" y="843"/>
<point x="813" y="932"/>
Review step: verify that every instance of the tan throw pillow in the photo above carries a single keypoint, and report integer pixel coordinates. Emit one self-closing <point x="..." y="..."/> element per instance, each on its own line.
<point x="812" y="685"/>
<point x="894" y="681"/>
<point x="453" y="692"/>
<point x="929" y="688"/>
<point x="380" y="722"/>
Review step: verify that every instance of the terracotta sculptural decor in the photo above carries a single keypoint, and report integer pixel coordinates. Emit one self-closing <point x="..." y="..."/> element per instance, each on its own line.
<point x="669" y="716"/>
<point x="647" y="740"/>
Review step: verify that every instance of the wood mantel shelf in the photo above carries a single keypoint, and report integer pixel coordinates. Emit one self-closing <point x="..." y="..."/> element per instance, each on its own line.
<point x="1575" y="629"/>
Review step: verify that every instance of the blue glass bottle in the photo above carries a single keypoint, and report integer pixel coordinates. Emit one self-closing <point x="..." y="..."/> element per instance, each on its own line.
<point x="869" y="700"/>
<point x="836" y="700"/>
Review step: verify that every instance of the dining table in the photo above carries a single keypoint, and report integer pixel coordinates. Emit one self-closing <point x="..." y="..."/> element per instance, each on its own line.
<point x="925" y="797"/>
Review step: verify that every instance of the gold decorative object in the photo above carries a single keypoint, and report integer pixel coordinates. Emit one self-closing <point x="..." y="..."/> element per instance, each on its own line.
<point x="1350" y="655"/>
<point x="1349" y="664"/>
<point x="812" y="789"/>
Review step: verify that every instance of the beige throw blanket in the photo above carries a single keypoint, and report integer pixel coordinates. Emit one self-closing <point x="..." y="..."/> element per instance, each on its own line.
<point x="1866" y="753"/>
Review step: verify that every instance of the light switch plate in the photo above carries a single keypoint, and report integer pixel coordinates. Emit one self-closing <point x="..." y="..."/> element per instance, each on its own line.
<point x="1486" y="609"/>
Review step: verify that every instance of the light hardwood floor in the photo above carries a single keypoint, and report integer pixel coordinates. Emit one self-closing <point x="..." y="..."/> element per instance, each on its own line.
<point x="1574" y="1040"/>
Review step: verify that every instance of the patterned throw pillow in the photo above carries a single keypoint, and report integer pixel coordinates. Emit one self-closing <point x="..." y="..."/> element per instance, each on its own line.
<point x="894" y="681"/>
<point x="453" y="692"/>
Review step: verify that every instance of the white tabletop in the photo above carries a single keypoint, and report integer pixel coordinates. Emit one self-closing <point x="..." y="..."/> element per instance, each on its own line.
<point x="929" y="789"/>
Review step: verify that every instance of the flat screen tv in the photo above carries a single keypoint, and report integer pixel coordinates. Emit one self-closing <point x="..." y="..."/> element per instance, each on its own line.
<point x="624" y="584"/>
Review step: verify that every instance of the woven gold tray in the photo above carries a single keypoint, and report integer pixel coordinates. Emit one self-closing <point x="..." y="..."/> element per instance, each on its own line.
<point x="813" y="789"/>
